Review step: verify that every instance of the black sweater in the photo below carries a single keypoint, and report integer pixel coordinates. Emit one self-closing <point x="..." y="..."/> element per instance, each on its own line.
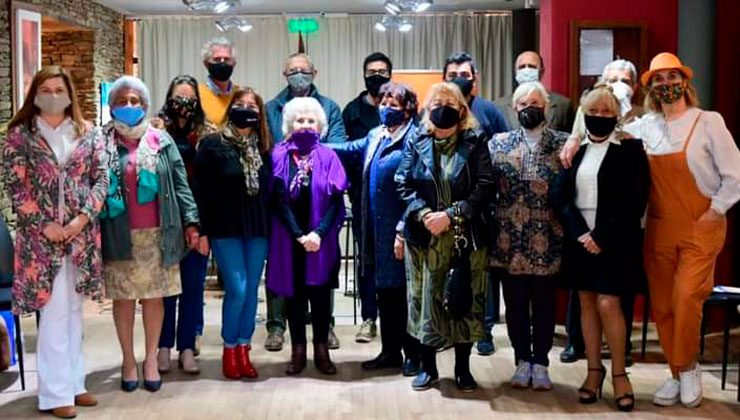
<point x="226" y="210"/>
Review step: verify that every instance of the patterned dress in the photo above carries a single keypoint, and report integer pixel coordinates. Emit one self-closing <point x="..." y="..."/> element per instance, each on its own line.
<point x="34" y="179"/>
<point x="529" y="236"/>
<point x="427" y="269"/>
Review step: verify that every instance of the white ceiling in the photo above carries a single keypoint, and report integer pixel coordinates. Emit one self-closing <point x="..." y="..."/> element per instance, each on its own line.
<point x="163" y="7"/>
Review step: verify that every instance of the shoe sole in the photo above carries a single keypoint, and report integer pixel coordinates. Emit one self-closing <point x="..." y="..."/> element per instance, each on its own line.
<point x="276" y="348"/>
<point x="485" y="353"/>
<point x="519" y="386"/>
<point x="663" y="402"/>
<point x="542" y="388"/>
<point x="363" y="339"/>
<point x="430" y="385"/>
<point x="694" y="403"/>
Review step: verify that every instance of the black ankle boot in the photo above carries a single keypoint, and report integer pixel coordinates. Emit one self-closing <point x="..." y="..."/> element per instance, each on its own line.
<point x="463" y="378"/>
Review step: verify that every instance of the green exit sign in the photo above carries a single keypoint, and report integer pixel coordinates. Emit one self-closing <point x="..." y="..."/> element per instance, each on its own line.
<point x="305" y="25"/>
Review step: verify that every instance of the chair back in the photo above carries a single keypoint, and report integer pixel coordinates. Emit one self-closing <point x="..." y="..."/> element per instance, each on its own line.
<point x="6" y="256"/>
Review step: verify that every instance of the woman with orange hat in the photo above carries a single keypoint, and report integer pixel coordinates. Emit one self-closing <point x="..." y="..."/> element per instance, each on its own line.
<point x="695" y="179"/>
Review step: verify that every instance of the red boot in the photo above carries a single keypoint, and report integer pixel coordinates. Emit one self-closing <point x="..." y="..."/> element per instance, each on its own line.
<point x="245" y="365"/>
<point x="230" y="365"/>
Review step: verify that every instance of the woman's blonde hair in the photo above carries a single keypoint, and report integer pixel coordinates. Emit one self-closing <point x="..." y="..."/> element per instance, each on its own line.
<point x="448" y="90"/>
<point x="602" y="93"/>
<point x="692" y="98"/>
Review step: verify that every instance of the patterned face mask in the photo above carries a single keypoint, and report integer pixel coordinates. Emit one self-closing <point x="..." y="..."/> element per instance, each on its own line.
<point x="669" y="93"/>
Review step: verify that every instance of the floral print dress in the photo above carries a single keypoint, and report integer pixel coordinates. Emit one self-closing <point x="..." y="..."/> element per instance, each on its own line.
<point x="37" y="184"/>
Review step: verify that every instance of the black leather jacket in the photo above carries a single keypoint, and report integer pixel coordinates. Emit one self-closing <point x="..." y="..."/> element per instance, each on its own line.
<point x="472" y="185"/>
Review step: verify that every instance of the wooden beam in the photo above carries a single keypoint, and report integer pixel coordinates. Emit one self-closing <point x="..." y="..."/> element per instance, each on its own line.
<point x="129" y="46"/>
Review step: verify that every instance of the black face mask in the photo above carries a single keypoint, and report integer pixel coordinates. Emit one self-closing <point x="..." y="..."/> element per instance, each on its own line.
<point x="220" y="71"/>
<point x="374" y="82"/>
<point x="600" y="126"/>
<point x="182" y="108"/>
<point x="444" y="117"/>
<point x="243" y="117"/>
<point x="531" y="117"/>
<point x="465" y="85"/>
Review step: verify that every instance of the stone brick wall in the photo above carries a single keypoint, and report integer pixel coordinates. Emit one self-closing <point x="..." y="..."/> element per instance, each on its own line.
<point x="107" y="51"/>
<point x="74" y="50"/>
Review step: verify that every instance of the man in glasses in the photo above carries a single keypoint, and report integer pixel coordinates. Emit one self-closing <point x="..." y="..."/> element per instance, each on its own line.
<point x="360" y="116"/>
<point x="299" y="73"/>
<point x="219" y="58"/>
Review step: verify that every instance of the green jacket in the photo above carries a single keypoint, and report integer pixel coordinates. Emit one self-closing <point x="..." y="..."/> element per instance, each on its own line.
<point x="177" y="208"/>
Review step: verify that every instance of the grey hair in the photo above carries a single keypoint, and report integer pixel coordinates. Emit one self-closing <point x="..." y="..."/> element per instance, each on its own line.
<point x="525" y="89"/>
<point x="303" y="105"/>
<point x="207" y="52"/>
<point x="129" y="82"/>
<point x="620" y="65"/>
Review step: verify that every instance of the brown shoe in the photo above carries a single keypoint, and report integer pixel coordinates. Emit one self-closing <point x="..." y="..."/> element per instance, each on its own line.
<point x="297" y="359"/>
<point x="66" y="412"/>
<point x="86" y="400"/>
<point x="322" y="360"/>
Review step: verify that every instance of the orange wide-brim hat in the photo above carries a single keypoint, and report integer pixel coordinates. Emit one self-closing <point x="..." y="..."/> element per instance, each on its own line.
<point x="665" y="61"/>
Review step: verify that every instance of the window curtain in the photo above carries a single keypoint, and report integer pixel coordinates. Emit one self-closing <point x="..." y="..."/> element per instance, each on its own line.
<point x="168" y="47"/>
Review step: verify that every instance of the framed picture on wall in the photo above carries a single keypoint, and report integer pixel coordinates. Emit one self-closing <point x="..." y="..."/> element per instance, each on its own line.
<point x="26" y="49"/>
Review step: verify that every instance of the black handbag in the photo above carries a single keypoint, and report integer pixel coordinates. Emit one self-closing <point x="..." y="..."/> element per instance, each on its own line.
<point x="458" y="292"/>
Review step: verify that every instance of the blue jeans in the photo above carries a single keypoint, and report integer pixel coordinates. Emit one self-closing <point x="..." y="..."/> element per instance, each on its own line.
<point x="240" y="261"/>
<point x="192" y="277"/>
<point x="492" y="301"/>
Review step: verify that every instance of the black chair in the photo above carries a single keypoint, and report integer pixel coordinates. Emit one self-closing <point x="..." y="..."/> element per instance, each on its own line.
<point x="6" y="284"/>
<point x="729" y="302"/>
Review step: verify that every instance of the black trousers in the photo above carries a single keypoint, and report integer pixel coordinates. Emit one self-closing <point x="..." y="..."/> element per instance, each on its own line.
<point x="318" y="296"/>
<point x="393" y="312"/>
<point x="573" y="321"/>
<point x="530" y="316"/>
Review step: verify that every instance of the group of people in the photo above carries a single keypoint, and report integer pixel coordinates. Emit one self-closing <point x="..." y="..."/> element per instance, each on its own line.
<point x="449" y="199"/>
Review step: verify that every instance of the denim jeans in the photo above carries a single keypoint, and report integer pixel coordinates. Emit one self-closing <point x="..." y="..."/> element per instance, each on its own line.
<point x="192" y="276"/>
<point x="492" y="301"/>
<point x="240" y="261"/>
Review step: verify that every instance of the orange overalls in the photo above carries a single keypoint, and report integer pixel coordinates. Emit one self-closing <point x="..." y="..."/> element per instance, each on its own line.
<point x="680" y="253"/>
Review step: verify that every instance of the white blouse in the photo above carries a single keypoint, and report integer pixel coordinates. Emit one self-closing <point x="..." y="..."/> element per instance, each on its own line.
<point x="713" y="157"/>
<point x="62" y="139"/>
<point x="587" y="185"/>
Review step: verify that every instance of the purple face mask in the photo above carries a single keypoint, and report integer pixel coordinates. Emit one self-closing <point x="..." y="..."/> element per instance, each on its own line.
<point x="305" y="140"/>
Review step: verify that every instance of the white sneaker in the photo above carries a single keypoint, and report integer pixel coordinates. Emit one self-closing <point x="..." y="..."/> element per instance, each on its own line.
<point x="540" y="378"/>
<point x="522" y="375"/>
<point x="668" y="394"/>
<point x="691" y="388"/>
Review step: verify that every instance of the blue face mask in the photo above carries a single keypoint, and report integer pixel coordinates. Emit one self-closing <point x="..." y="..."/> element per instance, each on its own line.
<point x="391" y="117"/>
<point x="128" y="115"/>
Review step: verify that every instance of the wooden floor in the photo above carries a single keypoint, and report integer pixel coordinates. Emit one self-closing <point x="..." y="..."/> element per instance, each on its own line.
<point x="352" y="394"/>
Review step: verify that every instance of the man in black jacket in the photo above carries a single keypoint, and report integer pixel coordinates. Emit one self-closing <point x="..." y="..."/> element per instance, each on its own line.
<point x="360" y="116"/>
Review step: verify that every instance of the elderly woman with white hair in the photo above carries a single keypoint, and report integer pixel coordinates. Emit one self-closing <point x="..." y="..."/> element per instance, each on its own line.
<point x="528" y="237"/>
<point x="307" y="185"/>
<point x="148" y="217"/>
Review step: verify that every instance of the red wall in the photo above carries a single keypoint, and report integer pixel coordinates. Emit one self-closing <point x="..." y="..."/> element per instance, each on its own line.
<point x="661" y="16"/>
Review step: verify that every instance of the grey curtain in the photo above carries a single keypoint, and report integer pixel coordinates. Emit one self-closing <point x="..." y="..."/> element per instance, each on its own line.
<point x="171" y="46"/>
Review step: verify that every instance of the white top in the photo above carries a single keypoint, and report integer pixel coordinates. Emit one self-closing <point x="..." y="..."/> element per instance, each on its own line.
<point x="713" y="157"/>
<point x="587" y="185"/>
<point x="62" y="140"/>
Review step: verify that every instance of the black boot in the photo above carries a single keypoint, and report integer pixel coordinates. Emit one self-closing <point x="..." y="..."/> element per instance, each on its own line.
<point x="463" y="378"/>
<point x="428" y="373"/>
<point x="412" y="354"/>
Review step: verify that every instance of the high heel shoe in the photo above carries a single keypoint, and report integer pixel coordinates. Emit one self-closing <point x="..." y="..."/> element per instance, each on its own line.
<point x="630" y="397"/>
<point x="152" y="386"/>
<point x="128" y="386"/>
<point x="592" y="395"/>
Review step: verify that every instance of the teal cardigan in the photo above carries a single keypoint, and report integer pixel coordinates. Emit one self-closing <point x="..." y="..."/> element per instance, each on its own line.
<point x="177" y="208"/>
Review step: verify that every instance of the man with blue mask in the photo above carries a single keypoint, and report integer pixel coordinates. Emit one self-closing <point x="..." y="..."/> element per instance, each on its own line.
<point x="299" y="73"/>
<point x="529" y="67"/>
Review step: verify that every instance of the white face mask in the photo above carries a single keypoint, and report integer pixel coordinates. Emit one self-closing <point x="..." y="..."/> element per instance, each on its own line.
<point x="527" y="74"/>
<point x="624" y="93"/>
<point x="51" y="103"/>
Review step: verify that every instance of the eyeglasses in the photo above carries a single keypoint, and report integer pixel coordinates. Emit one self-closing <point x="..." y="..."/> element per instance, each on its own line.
<point x="216" y="60"/>
<point x="463" y="74"/>
<point x="377" y="72"/>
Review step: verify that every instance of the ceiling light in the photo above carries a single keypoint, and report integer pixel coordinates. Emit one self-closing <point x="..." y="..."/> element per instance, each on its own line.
<point x="210" y="6"/>
<point x="398" y="22"/>
<point x="224" y="25"/>
<point x="395" y="7"/>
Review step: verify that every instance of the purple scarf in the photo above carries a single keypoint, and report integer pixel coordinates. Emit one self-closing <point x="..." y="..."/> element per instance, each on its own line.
<point x="327" y="179"/>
